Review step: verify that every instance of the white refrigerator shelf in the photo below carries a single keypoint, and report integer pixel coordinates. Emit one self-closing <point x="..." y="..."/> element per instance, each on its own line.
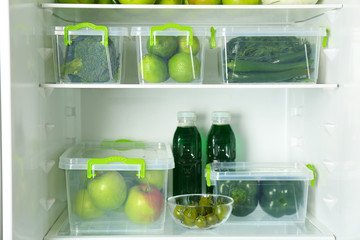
<point x="139" y="13"/>
<point x="311" y="229"/>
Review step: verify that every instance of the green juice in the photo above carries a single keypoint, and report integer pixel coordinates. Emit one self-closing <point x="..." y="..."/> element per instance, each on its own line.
<point x="187" y="156"/>
<point x="221" y="143"/>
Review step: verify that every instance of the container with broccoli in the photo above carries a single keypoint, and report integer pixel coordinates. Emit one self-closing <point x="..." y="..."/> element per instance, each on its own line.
<point x="269" y="54"/>
<point x="87" y="53"/>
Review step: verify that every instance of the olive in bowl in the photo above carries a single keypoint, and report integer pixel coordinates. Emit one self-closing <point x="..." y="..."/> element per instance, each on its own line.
<point x="200" y="211"/>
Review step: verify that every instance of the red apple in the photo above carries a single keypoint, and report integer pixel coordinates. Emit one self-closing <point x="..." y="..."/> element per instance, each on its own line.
<point x="144" y="204"/>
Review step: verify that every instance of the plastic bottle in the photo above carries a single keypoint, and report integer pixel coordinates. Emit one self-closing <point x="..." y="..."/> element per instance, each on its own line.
<point x="221" y="143"/>
<point x="187" y="155"/>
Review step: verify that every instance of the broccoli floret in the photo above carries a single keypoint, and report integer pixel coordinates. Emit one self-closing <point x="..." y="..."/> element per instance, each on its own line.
<point x="88" y="61"/>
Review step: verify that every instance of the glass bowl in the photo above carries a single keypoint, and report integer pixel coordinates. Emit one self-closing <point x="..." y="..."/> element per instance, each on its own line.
<point x="200" y="211"/>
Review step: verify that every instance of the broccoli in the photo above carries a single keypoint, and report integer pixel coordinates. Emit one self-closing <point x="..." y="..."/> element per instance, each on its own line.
<point x="86" y="60"/>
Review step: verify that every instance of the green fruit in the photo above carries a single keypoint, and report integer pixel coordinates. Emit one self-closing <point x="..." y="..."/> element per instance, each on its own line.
<point x="184" y="67"/>
<point x="240" y="2"/>
<point x="221" y="211"/>
<point x="200" y="222"/>
<point x="137" y="1"/>
<point x="184" y="47"/>
<point x="211" y="219"/>
<point x="190" y="215"/>
<point x="77" y="1"/>
<point x="84" y="207"/>
<point x="169" y="2"/>
<point x="204" y="2"/>
<point x="108" y="192"/>
<point x="165" y="46"/>
<point x="153" y="69"/>
<point x="153" y="177"/>
<point x="179" y="212"/>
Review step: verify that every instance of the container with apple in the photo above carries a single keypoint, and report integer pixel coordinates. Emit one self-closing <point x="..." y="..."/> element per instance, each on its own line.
<point x="122" y="190"/>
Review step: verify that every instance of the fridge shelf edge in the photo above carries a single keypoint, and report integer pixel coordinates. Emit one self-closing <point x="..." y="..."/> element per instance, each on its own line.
<point x="56" y="234"/>
<point x="200" y="86"/>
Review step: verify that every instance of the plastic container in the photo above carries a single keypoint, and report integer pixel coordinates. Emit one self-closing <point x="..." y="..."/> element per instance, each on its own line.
<point x="264" y="193"/>
<point x="117" y="187"/>
<point x="87" y="53"/>
<point x="163" y="54"/>
<point x="269" y="54"/>
<point x="187" y="155"/>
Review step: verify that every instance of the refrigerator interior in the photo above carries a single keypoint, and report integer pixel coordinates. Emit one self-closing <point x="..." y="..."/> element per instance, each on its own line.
<point x="311" y="124"/>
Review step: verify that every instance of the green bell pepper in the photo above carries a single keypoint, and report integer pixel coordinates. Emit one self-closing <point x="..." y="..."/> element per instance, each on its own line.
<point x="280" y="198"/>
<point x="244" y="193"/>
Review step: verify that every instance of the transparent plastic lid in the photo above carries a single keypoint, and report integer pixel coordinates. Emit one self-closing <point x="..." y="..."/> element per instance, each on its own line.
<point x="145" y="31"/>
<point x="257" y="171"/>
<point x="157" y="156"/>
<point x="271" y="31"/>
<point x="113" y="31"/>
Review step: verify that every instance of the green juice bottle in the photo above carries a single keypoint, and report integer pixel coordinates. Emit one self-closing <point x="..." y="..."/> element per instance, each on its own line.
<point x="221" y="143"/>
<point x="187" y="155"/>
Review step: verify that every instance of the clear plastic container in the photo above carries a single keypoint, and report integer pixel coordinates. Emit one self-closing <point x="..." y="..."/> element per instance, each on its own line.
<point x="117" y="187"/>
<point x="269" y="54"/>
<point x="170" y="53"/>
<point x="264" y="193"/>
<point x="87" y="53"/>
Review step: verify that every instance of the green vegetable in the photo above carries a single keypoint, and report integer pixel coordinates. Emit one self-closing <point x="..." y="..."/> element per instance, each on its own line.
<point x="249" y="66"/>
<point x="87" y="60"/>
<point x="293" y="75"/>
<point x="244" y="193"/>
<point x="280" y="198"/>
<point x="267" y="49"/>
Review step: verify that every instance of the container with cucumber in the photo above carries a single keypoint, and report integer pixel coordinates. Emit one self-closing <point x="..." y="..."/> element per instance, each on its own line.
<point x="269" y="59"/>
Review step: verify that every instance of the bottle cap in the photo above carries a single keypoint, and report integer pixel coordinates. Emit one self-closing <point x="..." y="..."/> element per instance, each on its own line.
<point x="189" y="116"/>
<point x="221" y="117"/>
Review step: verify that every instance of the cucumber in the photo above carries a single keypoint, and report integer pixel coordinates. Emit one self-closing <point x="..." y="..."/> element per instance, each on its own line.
<point x="248" y="66"/>
<point x="292" y="57"/>
<point x="293" y="75"/>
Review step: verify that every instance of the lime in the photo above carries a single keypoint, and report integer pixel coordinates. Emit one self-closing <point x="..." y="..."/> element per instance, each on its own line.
<point x="184" y="67"/>
<point x="169" y="2"/>
<point x="165" y="46"/>
<point x="184" y="47"/>
<point x="153" y="69"/>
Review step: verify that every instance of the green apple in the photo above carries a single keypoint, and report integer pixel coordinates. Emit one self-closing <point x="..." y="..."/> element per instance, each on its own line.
<point x="144" y="204"/>
<point x="184" y="47"/>
<point x="137" y="1"/>
<point x="240" y="2"/>
<point x="204" y="2"/>
<point x="108" y="191"/>
<point x="77" y="1"/>
<point x="84" y="207"/>
<point x="153" y="177"/>
<point x="169" y="2"/>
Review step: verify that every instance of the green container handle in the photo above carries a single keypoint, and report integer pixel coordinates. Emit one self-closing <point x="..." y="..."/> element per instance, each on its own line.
<point x="171" y="25"/>
<point x="312" y="168"/>
<point x="208" y="171"/>
<point x="86" y="25"/>
<point x="212" y="39"/>
<point x="135" y="161"/>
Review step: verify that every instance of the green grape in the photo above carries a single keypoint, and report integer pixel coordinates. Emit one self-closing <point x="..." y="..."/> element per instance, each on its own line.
<point x="211" y="219"/>
<point x="200" y="222"/>
<point x="179" y="212"/>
